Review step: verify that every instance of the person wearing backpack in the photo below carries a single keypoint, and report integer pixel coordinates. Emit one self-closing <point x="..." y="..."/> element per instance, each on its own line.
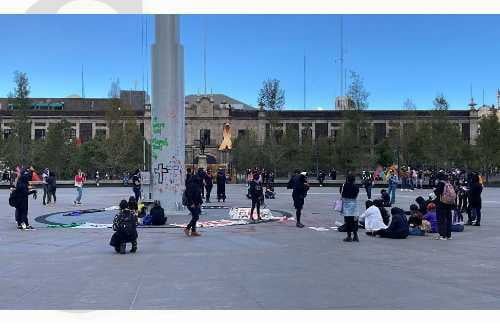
<point x="256" y="194"/>
<point x="20" y="198"/>
<point x="445" y="200"/>
<point x="125" y="227"/>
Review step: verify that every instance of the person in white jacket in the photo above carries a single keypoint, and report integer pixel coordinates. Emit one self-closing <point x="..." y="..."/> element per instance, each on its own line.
<point x="372" y="218"/>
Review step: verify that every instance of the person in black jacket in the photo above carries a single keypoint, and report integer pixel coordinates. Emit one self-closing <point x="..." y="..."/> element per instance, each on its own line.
<point x="125" y="227"/>
<point x="136" y="184"/>
<point x="221" y="186"/>
<point x="194" y="201"/>
<point x="52" y="182"/>
<point x="300" y="187"/>
<point x="157" y="214"/>
<point x="256" y="194"/>
<point x="209" y="183"/>
<point x="398" y="228"/>
<point x="22" y="192"/>
<point x="475" y="202"/>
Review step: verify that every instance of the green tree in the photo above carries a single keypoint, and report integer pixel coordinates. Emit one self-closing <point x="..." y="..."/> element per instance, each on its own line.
<point x="17" y="147"/>
<point x="488" y="143"/>
<point x="246" y="150"/>
<point x="271" y="96"/>
<point x="384" y="154"/>
<point x="353" y="147"/>
<point x="357" y="92"/>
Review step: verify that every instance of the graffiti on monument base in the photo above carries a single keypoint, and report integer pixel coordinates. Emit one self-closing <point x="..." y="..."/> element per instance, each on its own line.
<point x="169" y="175"/>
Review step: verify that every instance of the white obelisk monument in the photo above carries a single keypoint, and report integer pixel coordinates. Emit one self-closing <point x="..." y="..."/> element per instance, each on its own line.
<point x="167" y="115"/>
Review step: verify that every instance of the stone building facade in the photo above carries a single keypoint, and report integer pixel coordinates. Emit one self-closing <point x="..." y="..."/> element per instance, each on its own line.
<point x="206" y="116"/>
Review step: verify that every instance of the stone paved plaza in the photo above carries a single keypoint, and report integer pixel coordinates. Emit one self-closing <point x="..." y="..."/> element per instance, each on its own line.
<point x="264" y="266"/>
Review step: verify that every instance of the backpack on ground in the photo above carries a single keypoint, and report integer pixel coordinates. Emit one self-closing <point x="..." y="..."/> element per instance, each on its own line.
<point x="449" y="195"/>
<point x="13" y="198"/>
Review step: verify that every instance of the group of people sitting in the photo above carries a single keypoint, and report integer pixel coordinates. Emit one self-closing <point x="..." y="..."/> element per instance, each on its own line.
<point x="128" y="218"/>
<point x="440" y="213"/>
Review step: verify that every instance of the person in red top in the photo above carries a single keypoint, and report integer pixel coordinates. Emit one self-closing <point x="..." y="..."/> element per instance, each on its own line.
<point x="79" y="180"/>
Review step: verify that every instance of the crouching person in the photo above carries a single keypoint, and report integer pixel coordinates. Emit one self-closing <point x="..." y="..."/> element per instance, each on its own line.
<point x="125" y="227"/>
<point x="398" y="228"/>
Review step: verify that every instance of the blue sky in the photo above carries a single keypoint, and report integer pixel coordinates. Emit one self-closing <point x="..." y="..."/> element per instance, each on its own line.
<point x="399" y="56"/>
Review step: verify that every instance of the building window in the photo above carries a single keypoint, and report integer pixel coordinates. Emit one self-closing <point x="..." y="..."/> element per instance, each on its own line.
<point x="466" y="132"/>
<point x="205" y="136"/>
<point x="6" y="133"/>
<point x="321" y="130"/>
<point x="100" y="133"/>
<point x="242" y="132"/>
<point x="141" y="129"/>
<point x="334" y="134"/>
<point x="380" y="129"/>
<point x="307" y="131"/>
<point x="39" y="134"/>
<point x="85" y="132"/>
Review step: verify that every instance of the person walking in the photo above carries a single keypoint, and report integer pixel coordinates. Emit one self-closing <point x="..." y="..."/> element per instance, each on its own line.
<point x="21" y="194"/>
<point x="367" y="180"/>
<point x="209" y="184"/>
<point x="256" y="194"/>
<point x="392" y="186"/>
<point x="194" y="201"/>
<point x="221" y="185"/>
<point x="298" y="184"/>
<point x="349" y="192"/>
<point x="79" y="181"/>
<point x="475" y="202"/>
<point x="445" y="199"/>
<point x="136" y="184"/>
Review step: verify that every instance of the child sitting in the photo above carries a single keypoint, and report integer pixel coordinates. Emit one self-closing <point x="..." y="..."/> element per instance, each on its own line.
<point x="415" y="221"/>
<point x="431" y="217"/>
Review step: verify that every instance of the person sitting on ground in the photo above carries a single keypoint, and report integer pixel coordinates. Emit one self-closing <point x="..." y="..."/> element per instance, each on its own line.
<point x="385" y="215"/>
<point x="157" y="214"/>
<point x="422" y="205"/>
<point x="386" y="199"/>
<point x="125" y="227"/>
<point x="398" y="228"/>
<point x="415" y="221"/>
<point x="269" y="194"/>
<point x="371" y="218"/>
<point x="431" y="217"/>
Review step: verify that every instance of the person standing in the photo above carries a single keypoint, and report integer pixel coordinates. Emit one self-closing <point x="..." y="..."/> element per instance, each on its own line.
<point x="45" y="183"/>
<point x="256" y="194"/>
<point x="420" y="179"/>
<point x="475" y="202"/>
<point x="393" y="184"/>
<point x="79" y="180"/>
<point x="97" y="178"/>
<point x="22" y="191"/>
<point x="209" y="184"/>
<point x="321" y="178"/>
<point x="298" y="184"/>
<point x="367" y="180"/>
<point x="52" y="187"/>
<point x="349" y="192"/>
<point x="194" y="201"/>
<point x="221" y="186"/>
<point x="445" y="199"/>
<point x="136" y="184"/>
